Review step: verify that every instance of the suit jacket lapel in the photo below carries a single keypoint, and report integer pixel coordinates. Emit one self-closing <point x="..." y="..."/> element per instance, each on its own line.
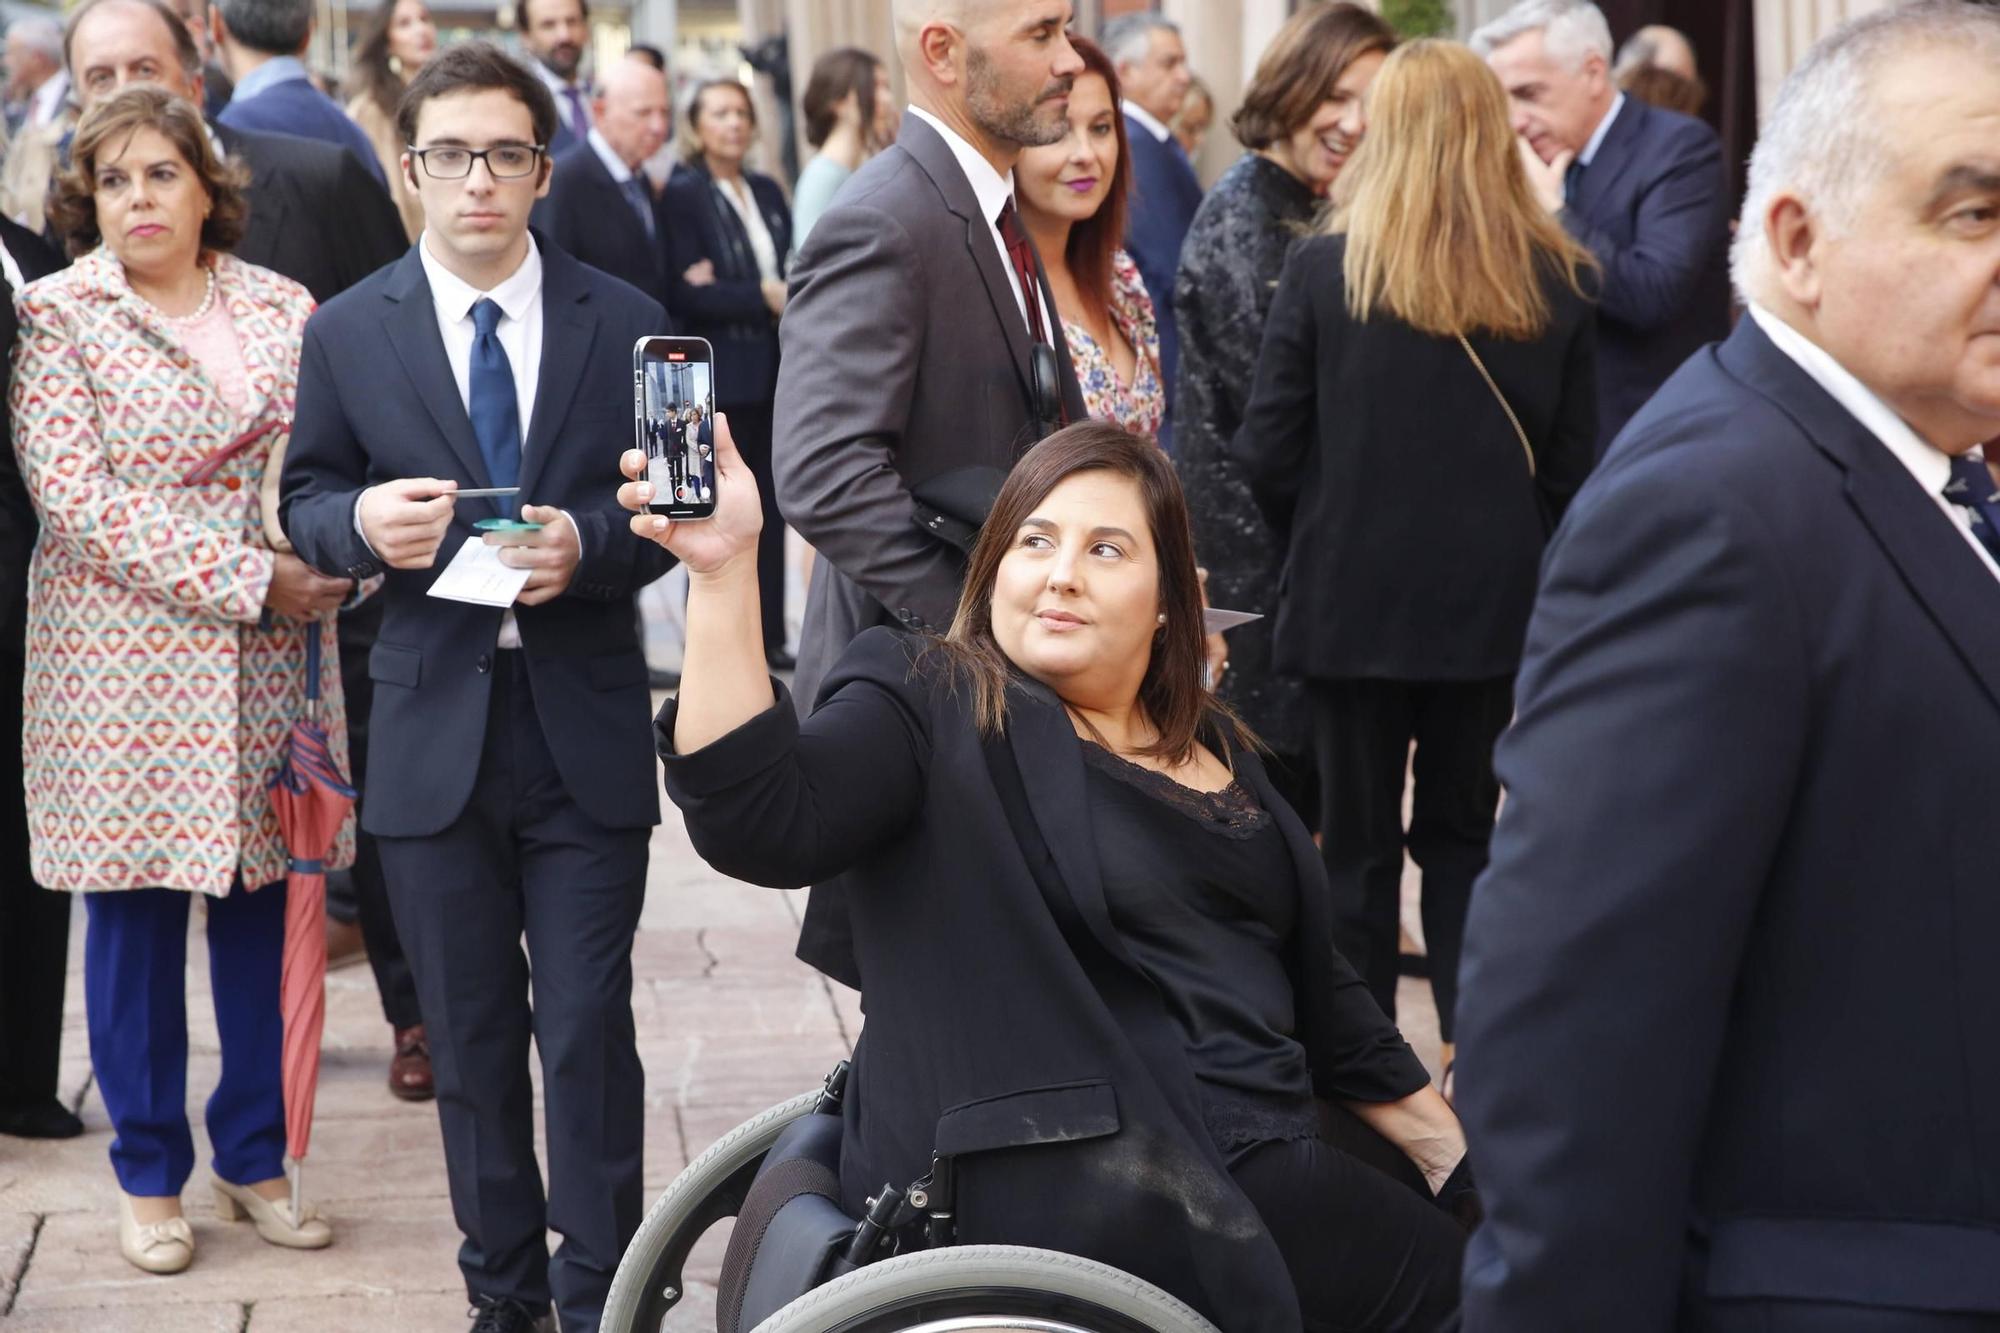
<point x="1946" y="575"/>
<point x="569" y="328"/>
<point x="1050" y="759"/>
<point x="411" y="324"/>
<point x="1618" y="154"/>
<point x="928" y="147"/>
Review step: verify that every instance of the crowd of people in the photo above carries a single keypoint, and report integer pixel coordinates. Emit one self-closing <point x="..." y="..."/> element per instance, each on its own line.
<point x="1468" y="381"/>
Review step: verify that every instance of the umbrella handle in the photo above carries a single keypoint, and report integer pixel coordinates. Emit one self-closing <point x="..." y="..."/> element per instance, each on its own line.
<point x="313" y="631"/>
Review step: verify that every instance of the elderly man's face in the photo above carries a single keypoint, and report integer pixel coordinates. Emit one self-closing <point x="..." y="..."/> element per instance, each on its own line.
<point x="1018" y="69"/>
<point x="118" y="45"/>
<point x="1160" y="81"/>
<point x="1556" y="106"/>
<point x="1908" y="298"/>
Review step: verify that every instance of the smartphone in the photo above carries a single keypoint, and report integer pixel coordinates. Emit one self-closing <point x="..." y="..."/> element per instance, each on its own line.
<point x="673" y="408"/>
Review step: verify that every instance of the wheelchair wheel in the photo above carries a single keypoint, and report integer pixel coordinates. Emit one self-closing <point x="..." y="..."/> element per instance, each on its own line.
<point x="648" y="1283"/>
<point x="987" y="1287"/>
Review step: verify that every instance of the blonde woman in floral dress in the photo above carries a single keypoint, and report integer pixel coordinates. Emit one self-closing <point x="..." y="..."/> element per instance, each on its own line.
<point x="165" y="658"/>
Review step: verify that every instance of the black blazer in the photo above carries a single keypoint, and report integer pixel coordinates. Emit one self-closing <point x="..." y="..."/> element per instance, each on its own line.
<point x="1382" y="460"/>
<point x="1726" y="1021"/>
<point x="18" y="525"/>
<point x="1653" y="206"/>
<point x="729" y="312"/>
<point x="317" y="215"/>
<point x="587" y="214"/>
<point x="377" y="401"/>
<point x="1007" y="1022"/>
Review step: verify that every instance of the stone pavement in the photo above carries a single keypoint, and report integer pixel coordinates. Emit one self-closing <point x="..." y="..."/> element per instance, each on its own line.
<point x="728" y="1022"/>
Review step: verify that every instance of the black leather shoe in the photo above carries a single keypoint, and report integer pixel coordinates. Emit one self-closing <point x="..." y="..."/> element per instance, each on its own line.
<point x="504" y="1314"/>
<point x="780" y="660"/>
<point x="44" y="1119"/>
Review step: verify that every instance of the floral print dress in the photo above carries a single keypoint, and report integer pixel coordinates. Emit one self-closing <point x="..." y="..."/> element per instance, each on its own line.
<point x="1140" y="406"/>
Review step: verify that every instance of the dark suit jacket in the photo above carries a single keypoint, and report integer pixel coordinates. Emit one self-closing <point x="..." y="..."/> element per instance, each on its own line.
<point x="1725" y="1023"/>
<point x="317" y="215"/>
<point x="18" y="526"/>
<point x="295" y="107"/>
<point x="1165" y="195"/>
<point x="888" y="381"/>
<point x="587" y="214"/>
<point x="1653" y="206"/>
<point x="1382" y="460"/>
<point x="729" y="312"/>
<point x="1068" y="1099"/>
<point x="377" y="401"/>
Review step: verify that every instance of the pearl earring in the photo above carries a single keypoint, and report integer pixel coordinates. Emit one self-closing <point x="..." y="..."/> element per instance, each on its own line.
<point x="1163" y="617"/>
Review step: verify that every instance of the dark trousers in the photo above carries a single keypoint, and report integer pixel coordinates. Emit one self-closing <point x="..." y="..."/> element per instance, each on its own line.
<point x="1365" y="1251"/>
<point x="34" y="929"/>
<point x="362" y="894"/>
<point x="522" y="860"/>
<point x="135" y="998"/>
<point x="751" y="428"/>
<point x="1363" y="730"/>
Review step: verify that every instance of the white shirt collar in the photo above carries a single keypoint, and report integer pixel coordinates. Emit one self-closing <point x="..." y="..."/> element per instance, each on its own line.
<point x="1603" y="128"/>
<point x="455" y="297"/>
<point x="1929" y="465"/>
<point x="47" y="101"/>
<point x="612" y="162"/>
<point x="1150" y="122"/>
<point x="993" y="190"/>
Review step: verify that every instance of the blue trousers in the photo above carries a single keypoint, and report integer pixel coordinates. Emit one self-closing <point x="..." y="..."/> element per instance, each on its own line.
<point x="135" y="998"/>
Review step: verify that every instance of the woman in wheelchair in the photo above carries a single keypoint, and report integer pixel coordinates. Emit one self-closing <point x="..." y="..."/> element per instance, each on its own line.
<point x="1094" y="945"/>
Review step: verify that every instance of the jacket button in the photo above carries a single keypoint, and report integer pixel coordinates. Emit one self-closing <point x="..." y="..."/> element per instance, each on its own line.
<point x="485" y="664"/>
<point x="233" y="483"/>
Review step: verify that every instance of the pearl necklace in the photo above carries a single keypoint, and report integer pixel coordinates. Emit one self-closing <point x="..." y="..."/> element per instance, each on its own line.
<point x="200" y="311"/>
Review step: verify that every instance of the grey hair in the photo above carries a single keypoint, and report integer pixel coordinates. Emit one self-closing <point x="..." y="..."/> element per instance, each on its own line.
<point x="1821" y="142"/>
<point x="42" y="35"/>
<point x="1640" y="50"/>
<point x="1572" y="31"/>
<point x="274" y="27"/>
<point x="1129" y="37"/>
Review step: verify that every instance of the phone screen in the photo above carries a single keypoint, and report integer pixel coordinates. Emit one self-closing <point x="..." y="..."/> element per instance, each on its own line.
<point x="674" y="407"/>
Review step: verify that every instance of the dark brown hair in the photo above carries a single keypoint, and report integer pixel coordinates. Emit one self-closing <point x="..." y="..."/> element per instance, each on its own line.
<point x="475" y="67"/>
<point x="692" y="149"/>
<point x="1297" y="71"/>
<point x="372" y="77"/>
<point x="1175" y="701"/>
<point x="108" y="127"/>
<point x="844" y="70"/>
<point x="1094" y="242"/>
<point x="1664" y="88"/>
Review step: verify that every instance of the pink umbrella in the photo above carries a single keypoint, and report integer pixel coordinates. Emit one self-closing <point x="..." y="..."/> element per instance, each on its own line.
<point x="312" y="799"/>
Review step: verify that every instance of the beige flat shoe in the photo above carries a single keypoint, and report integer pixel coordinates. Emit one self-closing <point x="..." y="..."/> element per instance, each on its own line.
<point x="153" y="1247"/>
<point x="274" y="1221"/>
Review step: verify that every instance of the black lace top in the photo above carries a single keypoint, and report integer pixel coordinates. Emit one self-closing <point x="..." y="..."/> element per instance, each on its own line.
<point x="1202" y="887"/>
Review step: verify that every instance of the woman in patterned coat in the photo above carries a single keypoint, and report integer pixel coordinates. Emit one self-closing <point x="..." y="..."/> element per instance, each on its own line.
<point x="1301" y="117"/>
<point x="166" y="647"/>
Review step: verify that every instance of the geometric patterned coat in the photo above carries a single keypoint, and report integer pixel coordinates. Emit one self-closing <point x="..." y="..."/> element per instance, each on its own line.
<point x="159" y="695"/>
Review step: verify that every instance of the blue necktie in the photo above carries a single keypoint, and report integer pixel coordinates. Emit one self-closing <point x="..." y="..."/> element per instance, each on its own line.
<point x="1572" y="178"/>
<point x="579" y="116"/>
<point x="495" y="411"/>
<point x="641" y="200"/>
<point x="1971" y="487"/>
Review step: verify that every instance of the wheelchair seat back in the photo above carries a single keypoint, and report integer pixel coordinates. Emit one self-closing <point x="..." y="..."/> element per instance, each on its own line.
<point x="788" y="1228"/>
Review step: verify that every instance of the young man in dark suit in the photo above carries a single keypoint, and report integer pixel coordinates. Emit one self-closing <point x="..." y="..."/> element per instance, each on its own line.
<point x="317" y="215"/>
<point x="34" y="923"/>
<point x="600" y="206"/>
<point x="1153" y="79"/>
<point x="1726" y="1011"/>
<point x="510" y="782"/>
<point x="1643" y="187"/>
<point x="261" y="43"/>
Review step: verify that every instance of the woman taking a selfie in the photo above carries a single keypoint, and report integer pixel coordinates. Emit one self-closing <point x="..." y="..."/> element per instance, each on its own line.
<point x="1095" y="945"/>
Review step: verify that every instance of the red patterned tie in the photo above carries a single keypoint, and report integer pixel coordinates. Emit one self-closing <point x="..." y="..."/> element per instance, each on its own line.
<point x="1021" y="253"/>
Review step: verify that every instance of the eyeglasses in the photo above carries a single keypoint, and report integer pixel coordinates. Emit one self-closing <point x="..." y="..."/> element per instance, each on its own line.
<point x="508" y="161"/>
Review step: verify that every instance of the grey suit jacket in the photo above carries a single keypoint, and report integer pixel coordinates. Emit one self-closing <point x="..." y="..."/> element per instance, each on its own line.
<point x="904" y="356"/>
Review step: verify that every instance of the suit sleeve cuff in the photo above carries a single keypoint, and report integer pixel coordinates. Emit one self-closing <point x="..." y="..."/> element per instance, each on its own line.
<point x="372" y="553"/>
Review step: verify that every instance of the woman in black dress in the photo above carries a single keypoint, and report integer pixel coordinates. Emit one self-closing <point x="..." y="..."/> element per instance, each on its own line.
<point x="1423" y="411"/>
<point x="729" y="234"/>
<point x="1301" y="117"/>
<point x="1096" y="946"/>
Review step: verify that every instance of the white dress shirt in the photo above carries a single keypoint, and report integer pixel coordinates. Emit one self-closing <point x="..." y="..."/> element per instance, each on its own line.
<point x="45" y="104"/>
<point x="1149" y="122"/>
<point x="609" y="157"/>
<point x="744" y="200"/>
<point x="1929" y="465"/>
<point x="560" y="91"/>
<point x="1584" y="158"/>
<point x="994" y="192"/>
<point x="15" y="280"/>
